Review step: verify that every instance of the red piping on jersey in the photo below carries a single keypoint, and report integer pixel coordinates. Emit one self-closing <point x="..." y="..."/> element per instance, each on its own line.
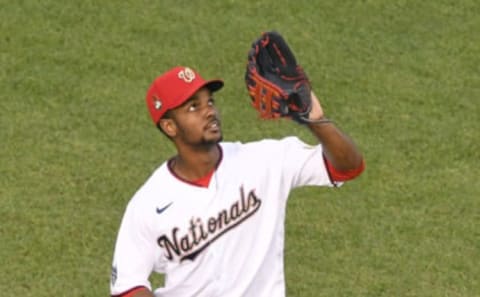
<point x="131" y="292"/>
<point x="342" y="175"/>
<point x="203" y="181"/>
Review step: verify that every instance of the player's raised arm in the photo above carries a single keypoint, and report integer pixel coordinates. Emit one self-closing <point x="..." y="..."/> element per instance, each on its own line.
<point x="338" y="148"/>
<point x="279" y="87"/>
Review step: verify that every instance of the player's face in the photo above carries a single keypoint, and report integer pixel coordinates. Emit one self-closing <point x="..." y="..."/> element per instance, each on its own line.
<point x="196" y="121"/>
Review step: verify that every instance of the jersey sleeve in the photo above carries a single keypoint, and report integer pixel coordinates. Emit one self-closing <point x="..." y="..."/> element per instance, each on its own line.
<point x="134" y="254"/>
<point x="304" y="165"/>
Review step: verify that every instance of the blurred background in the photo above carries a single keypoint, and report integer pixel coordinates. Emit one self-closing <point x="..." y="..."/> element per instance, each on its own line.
<point x="402" y="78"/>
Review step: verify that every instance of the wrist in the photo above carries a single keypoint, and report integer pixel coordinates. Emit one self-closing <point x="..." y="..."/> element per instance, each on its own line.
<point x="318" y="121"/>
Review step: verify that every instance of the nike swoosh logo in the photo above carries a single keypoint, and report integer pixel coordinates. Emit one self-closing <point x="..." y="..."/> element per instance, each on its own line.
<point x="160" y="210"/>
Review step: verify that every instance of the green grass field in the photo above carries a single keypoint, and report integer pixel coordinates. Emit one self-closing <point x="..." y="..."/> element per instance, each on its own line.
<point x="401" y="77"/>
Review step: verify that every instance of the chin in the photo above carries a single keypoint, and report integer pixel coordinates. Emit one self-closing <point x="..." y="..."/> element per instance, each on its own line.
<point x="213" y="140"/>
<point x="217" y="140"/>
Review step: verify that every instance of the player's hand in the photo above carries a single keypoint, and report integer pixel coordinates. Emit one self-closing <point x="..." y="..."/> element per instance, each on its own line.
<point x="317" y="111"/>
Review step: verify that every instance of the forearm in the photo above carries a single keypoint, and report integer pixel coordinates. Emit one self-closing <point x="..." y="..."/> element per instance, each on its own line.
<point x="338" y="148"/>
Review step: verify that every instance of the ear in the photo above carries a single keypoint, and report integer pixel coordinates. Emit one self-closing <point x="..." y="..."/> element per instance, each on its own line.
<point x="169" y="127"/>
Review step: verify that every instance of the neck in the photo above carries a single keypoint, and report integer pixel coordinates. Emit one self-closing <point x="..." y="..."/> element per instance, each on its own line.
<point x="192" y="165"/>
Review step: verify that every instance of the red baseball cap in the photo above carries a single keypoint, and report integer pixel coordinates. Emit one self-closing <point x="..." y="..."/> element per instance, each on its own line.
<point x="173" y="88"/>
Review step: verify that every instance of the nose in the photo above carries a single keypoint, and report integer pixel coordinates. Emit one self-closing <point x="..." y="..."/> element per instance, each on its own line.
<point x="210" y="112"/>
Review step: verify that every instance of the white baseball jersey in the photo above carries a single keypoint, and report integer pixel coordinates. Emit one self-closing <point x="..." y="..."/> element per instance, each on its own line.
<point x="226" y="239"/>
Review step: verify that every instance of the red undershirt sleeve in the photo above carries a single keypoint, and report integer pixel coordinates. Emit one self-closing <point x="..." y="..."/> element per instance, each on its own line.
<point x="131" y="292"/>
<point x="343" y="175"/>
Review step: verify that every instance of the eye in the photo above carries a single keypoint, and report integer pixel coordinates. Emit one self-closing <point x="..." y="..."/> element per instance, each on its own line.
<point x="211" y="102"/>
<point x="192" y="107"/>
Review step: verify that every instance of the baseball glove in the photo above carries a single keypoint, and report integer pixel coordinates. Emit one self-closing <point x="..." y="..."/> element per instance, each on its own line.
<point x="277" y="85"/>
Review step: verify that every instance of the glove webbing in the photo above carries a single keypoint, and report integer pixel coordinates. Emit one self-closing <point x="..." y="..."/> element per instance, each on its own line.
<point x="263" y="92"/>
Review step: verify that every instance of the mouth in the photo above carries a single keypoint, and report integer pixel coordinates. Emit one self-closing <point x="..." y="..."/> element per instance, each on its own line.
<point x="213" y="125"/>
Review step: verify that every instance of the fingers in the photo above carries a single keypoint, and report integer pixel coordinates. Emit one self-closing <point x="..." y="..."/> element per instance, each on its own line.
<point x="281" y="54"/>
<point x="317" y="110"/>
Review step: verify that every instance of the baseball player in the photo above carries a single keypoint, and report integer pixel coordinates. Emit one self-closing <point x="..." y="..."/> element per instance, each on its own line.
<point x="211" y="218"/>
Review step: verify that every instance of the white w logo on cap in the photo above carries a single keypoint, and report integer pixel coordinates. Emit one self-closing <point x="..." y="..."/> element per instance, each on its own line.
<point x="187" y="75"/>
